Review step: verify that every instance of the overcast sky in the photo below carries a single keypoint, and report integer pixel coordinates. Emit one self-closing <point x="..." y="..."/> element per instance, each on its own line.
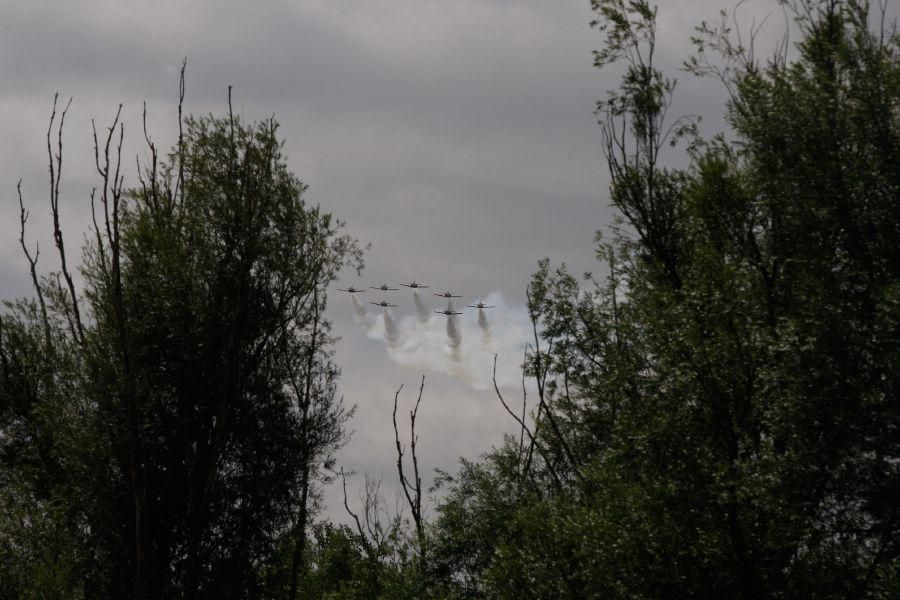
<point x="457" y="137"/>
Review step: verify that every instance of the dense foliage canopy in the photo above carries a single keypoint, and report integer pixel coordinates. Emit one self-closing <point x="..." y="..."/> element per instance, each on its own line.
<point x="719" y="414"/>
<point x="160" y="432"/>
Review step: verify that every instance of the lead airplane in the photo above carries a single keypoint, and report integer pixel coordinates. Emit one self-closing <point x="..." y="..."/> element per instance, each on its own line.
<point x="383" y="304"/>
<point x="414" y="285"/>
<point x="448" y="294"/>
<point x="479" y="305"/>
<point x="447" y="312"/>
<point x="351" y="290"/>
<point x="384" y="288"/>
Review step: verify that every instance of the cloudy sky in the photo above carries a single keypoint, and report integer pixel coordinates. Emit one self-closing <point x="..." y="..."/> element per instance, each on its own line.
<point x="457" y="137"/>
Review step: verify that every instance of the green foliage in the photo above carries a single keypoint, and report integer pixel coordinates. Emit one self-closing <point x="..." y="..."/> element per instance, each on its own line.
<point x="718" y="416"/>
<point x="170" y="450"/>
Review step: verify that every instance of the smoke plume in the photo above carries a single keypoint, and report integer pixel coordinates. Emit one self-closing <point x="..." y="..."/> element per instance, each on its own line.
<point x="391" y="331"/>
<point x="362" y="317"/>
<point x="454" y="336"/>
<point x="485" y="327"/>
<point x="421" y="309"/>
<point x="457" y="347"/>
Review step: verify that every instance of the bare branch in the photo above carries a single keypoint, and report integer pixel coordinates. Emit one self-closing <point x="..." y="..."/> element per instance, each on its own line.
<point x="32" y="264"/>
<point x="179" y="183"/>
<point x="153" y="198"/>
<point x="56" y="163"/>
<point x="541" y="372"/>
<point x="412" y="491"/>
<point x="533" y="442"/>
<point x="371" y="546"/>
<point x="412" y="450"/>
<point x="101" y="249"/>
<point x="359" y="527"/>
<point x="523" y="427"/>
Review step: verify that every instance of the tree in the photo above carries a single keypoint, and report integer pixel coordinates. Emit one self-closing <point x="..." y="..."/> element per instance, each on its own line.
<point x="718" y="415"/>
<point x="193" y="374"/>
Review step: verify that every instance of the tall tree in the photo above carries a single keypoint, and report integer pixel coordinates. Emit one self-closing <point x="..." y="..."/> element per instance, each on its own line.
<point x="718" y="416"/>
<point x="197" y="362"/>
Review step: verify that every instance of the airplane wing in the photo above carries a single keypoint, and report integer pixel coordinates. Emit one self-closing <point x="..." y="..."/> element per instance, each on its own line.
<point x="376" y="303"/>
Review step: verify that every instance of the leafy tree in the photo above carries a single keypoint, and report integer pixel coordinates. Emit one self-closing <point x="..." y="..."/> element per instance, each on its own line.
<point x="190" y="385"/>
<point x="717" y="417"/>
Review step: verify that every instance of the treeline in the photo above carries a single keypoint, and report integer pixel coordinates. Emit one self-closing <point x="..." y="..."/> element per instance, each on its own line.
<point x="718" y="415"/>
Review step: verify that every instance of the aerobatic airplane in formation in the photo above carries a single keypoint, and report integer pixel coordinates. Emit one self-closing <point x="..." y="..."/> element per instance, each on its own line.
<point x="479" y="305"/>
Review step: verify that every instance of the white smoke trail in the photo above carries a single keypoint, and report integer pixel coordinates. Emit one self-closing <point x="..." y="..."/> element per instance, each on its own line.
<point x="485" y="327"/>
<point x="428" y="346"/>
<point x="424" y="314"/>
<point x="362" y="317"/>
<point x="454" y="336"/>
<point x="391" y="331"/>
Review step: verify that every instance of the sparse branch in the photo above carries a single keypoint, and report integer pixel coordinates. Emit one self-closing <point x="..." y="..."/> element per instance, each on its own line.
<point x="523" y="427"/>
<point x="55" y="162"/>
<point x="412" y="450"/>
<point x="32" y="264"/>
<point x="231" y="125"/>
<point x="524" y="401"/>
<point x="101" y="249"/>
<point x="537" y="425"/>
<point x="110" y="190"/>
<point x="152" y="198"/>
<point x="412" y="491"/>
<point x="533" y="441"/>
<point x="359" y="527"/>
<point x="179" y="183"/>
<point x="541" y="371"/>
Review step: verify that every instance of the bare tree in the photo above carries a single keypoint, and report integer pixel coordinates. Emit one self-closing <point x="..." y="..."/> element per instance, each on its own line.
<point x="412" y="489"/>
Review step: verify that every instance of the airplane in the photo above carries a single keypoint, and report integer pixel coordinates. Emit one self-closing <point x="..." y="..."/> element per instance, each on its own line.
<point x="351" y="290"/>
<point x="414" y="285"/>
<point x="384" y="288"/>
<point x="447" y="294"/>
<point x="479" y="305"/>
<point x="383" y="304"/>
<point x="447" y="312"/>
